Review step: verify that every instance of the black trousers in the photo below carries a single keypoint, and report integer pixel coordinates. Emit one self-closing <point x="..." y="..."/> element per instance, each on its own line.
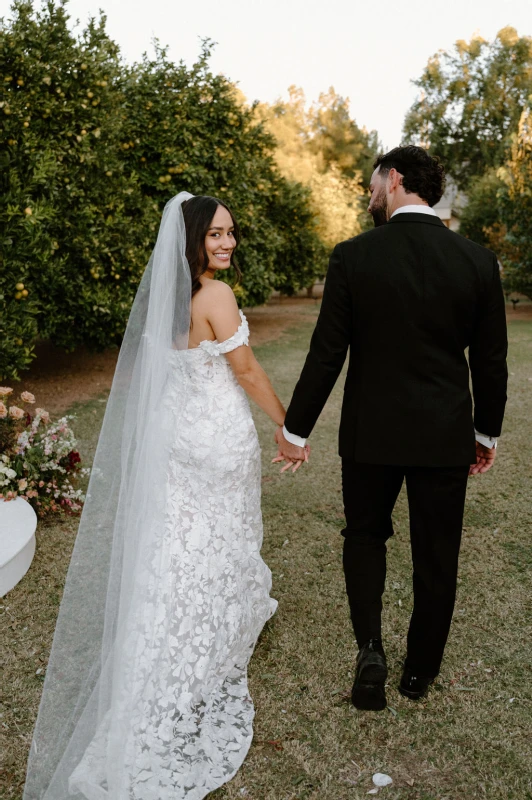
<point x="436" y="498"/>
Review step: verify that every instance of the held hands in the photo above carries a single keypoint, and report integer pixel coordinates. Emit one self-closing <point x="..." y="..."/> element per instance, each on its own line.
<point x="291" y="453"/>
<point x="485" y="459"/>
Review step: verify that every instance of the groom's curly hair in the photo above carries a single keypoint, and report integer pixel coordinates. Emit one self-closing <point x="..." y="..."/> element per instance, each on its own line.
<point x="422" y="173"/>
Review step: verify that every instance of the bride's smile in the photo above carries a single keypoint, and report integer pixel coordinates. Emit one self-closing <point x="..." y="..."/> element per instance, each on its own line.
<point x="220" y="241"/>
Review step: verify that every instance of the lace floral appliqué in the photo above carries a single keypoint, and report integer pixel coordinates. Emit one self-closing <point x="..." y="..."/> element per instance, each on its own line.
<point x="185" y="718"/>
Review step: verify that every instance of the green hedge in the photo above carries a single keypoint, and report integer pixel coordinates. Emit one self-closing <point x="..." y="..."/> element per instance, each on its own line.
<point x="92" y="149"/>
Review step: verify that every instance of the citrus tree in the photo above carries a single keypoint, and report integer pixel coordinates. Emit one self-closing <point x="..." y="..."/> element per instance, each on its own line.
<point x="92" y="149"/>
<point x="187" y="130"/>
<point x="72" y="218"/>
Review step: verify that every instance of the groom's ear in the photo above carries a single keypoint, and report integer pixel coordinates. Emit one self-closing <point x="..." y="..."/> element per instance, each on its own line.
<point x="394" y="179"/>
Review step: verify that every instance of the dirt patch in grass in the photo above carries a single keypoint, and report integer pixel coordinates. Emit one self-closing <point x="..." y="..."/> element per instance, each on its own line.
<point x="521" y="311"/>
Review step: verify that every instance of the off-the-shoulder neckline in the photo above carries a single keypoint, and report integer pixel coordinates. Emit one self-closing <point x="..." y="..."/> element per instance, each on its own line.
<point x="215" y="341"/>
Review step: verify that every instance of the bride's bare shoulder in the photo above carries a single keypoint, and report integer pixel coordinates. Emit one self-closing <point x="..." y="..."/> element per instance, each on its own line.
<point x="214" y="293"/>
<point x="215" y="305"/>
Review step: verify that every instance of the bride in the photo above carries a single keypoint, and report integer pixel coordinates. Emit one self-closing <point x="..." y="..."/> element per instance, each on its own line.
<point x="146" y="694"/>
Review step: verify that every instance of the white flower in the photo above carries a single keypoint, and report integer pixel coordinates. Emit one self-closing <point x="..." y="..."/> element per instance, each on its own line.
<point x="8" y="472"/>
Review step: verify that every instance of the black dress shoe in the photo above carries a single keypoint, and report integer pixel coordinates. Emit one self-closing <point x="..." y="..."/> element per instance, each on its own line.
<point x="368" y="689"/>
<point x="413" y="685"/>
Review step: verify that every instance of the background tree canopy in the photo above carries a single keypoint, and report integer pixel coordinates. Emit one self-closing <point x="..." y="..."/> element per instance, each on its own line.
<point x="324" y="149"/>
<point x="470" y="102"/>
<point x="473" y="111"/>
<point x="92" y="149"/>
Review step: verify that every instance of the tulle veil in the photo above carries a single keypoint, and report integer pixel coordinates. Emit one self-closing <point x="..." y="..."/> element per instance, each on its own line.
<point x="123" y="502"/>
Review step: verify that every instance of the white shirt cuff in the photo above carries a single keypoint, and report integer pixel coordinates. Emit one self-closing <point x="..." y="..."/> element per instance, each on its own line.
<point x="293" y="439"/>
<point x="487" y="441"/>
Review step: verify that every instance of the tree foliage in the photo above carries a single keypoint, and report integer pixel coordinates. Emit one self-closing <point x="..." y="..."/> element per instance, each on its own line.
<point x="515" y="205"/>
<point x="64" y="217"/>
<point x="498" y="214"/>
<point x="470" y="102"/>
<point x="480" y="218"/>
<point x="474" y="113"/>
<point x="323" y="148"/>
<point x="338" y="141"/>
<point x="92" y="151"/>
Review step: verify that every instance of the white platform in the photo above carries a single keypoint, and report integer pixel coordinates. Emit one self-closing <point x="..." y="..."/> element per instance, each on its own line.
<point x="18" y="522"/>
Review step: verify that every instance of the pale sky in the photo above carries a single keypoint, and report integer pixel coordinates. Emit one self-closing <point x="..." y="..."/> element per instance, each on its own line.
<point x="368" y="51"/>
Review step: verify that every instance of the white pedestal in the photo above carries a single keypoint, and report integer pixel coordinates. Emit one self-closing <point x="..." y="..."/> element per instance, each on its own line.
<point x="18" y="522"/>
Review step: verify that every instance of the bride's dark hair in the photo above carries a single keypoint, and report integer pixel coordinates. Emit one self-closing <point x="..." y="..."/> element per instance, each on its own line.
<point x="198" y="213"/>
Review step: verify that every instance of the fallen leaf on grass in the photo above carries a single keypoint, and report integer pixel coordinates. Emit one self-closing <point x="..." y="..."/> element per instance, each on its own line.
<point x="275" y="743"/>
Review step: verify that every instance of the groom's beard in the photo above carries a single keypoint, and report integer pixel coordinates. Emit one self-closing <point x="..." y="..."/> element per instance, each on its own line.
<point x="379" y="210"/>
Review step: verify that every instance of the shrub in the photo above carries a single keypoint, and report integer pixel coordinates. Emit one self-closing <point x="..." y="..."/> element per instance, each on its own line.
<point x="93" y="150"/>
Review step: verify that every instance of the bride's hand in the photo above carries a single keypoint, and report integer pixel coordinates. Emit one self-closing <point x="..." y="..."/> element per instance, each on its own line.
<point x="293" y="455"/>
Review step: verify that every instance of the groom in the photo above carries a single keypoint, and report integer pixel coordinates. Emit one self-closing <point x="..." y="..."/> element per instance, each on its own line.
<point x="407" y="412"/>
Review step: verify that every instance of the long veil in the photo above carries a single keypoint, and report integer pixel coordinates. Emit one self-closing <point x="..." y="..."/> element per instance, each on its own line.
<point x="85" y="674"/>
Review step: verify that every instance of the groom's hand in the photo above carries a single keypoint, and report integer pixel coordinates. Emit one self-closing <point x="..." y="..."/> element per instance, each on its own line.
<point x="291" y="453"/>
<point x="485" y="459"/>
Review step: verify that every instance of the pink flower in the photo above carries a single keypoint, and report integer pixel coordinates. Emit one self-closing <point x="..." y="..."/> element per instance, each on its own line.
<point x="5" y="390"/>
<point x="15" y="412"/>
<point x="44" y="415"/>
<point x="27" y="397"/>
<point x="3" y="410"/>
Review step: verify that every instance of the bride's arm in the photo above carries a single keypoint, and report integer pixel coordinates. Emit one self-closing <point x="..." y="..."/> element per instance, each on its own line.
<point x="221" y="311"/>
<point x="255" y="382"/>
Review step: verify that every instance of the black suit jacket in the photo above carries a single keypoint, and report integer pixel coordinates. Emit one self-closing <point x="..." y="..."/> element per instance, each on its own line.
<point x="407" y="299"/>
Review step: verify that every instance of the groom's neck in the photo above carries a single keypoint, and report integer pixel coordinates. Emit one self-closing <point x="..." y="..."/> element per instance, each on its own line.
<point x="405" y="199"/>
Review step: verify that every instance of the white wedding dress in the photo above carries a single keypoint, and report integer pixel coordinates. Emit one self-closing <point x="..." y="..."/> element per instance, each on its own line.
<point x="182" y="723"/>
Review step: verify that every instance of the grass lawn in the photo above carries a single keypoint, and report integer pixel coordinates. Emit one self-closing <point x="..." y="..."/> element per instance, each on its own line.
<point x="470" y="739"/>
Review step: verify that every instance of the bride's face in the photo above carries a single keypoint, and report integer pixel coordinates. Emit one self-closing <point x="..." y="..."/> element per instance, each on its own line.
<point x="220" y="240"/>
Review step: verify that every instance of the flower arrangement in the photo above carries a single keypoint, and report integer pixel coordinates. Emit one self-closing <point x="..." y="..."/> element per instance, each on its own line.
<point x="38" y="457"/>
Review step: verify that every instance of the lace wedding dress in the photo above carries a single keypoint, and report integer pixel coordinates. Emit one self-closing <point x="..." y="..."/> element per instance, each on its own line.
<point x="182" y="724"/>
